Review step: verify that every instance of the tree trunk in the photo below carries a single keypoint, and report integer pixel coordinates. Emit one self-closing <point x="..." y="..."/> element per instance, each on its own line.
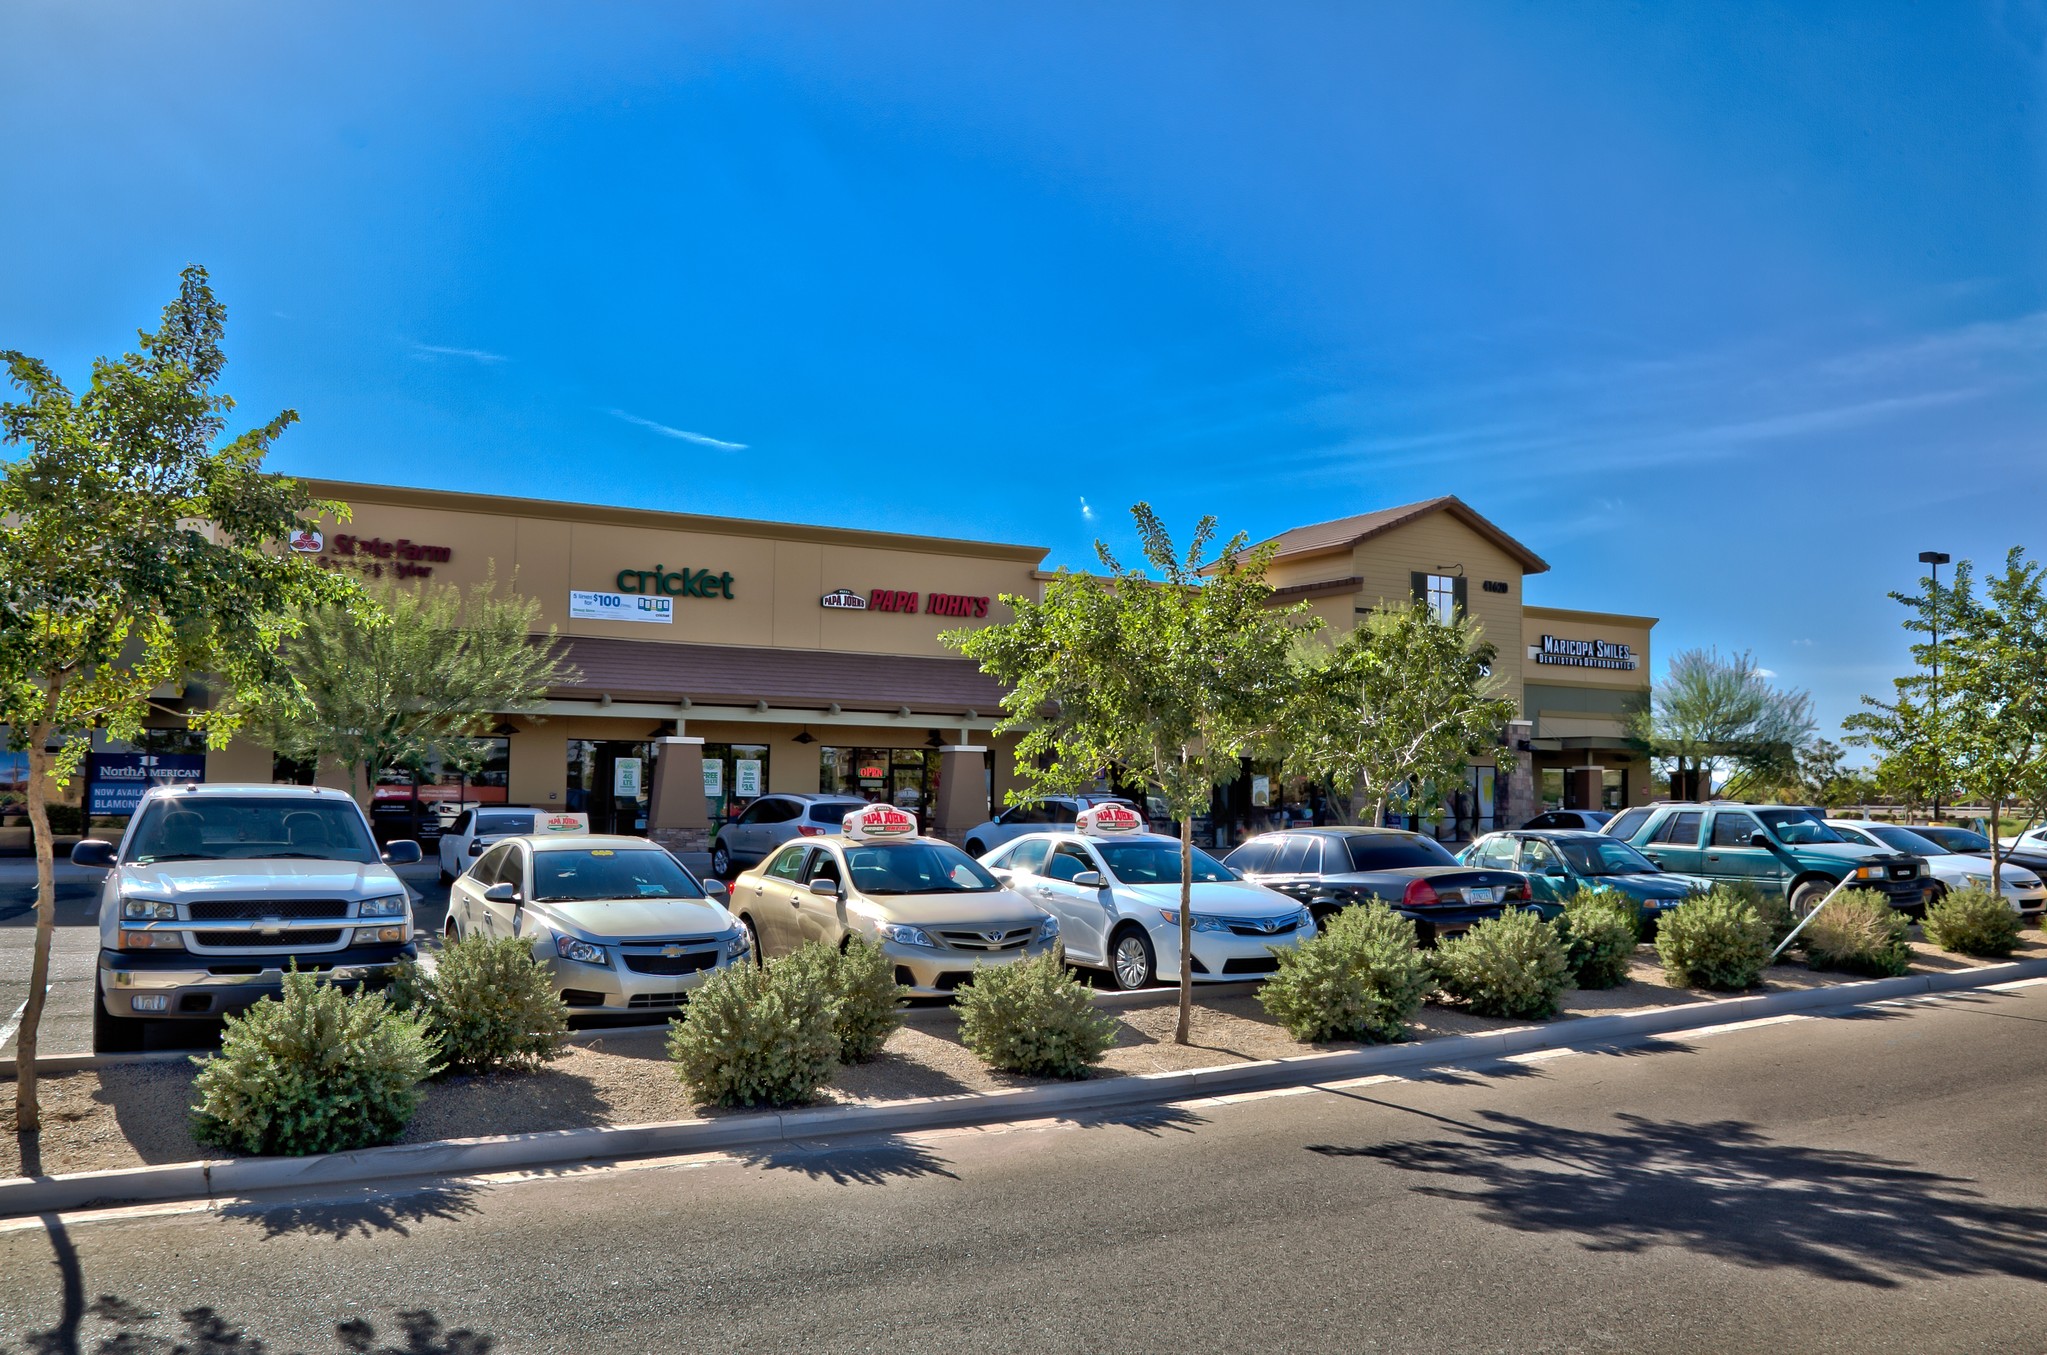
<point x="1185" y="1029"/>
<point x="27" y="1109"/>
<point x="1379" y="811"/>
<point x="1996" y="866"/>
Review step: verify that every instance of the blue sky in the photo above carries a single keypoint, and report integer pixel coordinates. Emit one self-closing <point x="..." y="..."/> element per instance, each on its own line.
<point x="1728" y="311"/>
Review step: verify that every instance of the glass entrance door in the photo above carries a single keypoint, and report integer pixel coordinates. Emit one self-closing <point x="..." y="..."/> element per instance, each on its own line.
<point x="609" y="780"/>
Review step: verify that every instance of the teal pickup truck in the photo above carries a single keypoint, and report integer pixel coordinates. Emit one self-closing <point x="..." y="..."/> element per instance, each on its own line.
<point x="1780" y="849"/>
<point x="1560" y="863"/>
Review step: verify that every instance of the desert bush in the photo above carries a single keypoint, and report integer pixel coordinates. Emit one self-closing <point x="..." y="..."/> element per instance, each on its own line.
<point x="1033" y="1017"/>
<point x="1513" y="965"/>
<point x="489" y="1003"/>
<point x="1361" y="979"/>
<point x="1773" y="906"/>
<point x="315" y="1070"/>
<point x="1973" y="921"/>
<point x="753" y="1036"/>
<point x="1858" y="933"/>
<point x="1601" y="928"/>
<point x="1717" y="940"/>
<point x="866" y="999"/>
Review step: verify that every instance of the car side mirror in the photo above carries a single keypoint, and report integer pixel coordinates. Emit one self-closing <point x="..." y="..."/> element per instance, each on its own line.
<point x="1556" y="872"/>
<point x="501" y="893"/>
<point x="1758" y="839"/>
<point x="715" y="886"/>
<point x="825" y="889"/>
<point x="402" y="852"/>
<point x="1088" y="879"/>
<point x="93" y="852"/>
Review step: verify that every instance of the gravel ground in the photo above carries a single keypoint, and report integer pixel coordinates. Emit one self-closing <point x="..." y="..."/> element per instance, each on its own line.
<point x="135" y="1115"/>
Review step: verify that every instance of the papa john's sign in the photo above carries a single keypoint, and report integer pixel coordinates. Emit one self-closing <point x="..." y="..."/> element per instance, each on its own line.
<point x="903" y="601"/>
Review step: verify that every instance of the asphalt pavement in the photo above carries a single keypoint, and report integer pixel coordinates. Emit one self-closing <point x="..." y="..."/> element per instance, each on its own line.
<point x="1862" y="1183"/>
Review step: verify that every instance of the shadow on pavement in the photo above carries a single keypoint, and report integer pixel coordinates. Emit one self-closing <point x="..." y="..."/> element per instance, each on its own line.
<point x="868" y="1163"/>
<point x="1722" y="1189"/>
<point x="360" y="1218"/>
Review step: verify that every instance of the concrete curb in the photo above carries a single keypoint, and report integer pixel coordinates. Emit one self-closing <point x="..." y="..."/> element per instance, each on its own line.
<point x="569" y="1147"/>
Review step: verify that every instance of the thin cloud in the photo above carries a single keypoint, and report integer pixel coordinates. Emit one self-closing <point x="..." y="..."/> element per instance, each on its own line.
<point x="1087" y="514"/>
<point x="682" y="434"/>
<point x="427" y="352"/>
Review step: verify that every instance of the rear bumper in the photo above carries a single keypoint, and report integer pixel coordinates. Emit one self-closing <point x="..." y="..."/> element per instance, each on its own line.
<point x="199" y="988"/>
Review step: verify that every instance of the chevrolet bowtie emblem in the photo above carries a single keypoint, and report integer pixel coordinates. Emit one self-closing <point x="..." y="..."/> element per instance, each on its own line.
<point x="671" y="952"/>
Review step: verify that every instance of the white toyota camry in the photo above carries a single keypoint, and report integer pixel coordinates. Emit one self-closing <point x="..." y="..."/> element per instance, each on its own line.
<point x="1116" y="893"/>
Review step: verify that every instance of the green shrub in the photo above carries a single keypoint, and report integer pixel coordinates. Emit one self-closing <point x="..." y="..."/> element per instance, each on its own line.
<point x="1033" y="1017"/>
<point x="1973" y="921"/>
<point x="753" y="1036"/>
<point x="1858" y="933"/>
<point x="316" y="1070"/>
<point x="865" y="995"/>
<point x="1361" y="979"/>
<point x="1601" y="928"/>
<point x="1717" y="940"/>
<point x="1773" y="906"/>
<point x="489" y="1003"/>
<point x="1512" y="965"/>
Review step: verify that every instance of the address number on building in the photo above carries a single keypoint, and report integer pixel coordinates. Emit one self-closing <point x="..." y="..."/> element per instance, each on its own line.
<point x="621" y="607"/>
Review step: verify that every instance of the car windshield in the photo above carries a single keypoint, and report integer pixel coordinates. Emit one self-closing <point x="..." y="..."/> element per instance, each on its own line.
<point x="249" y="828"/>
<point x="1797" y="827"/>
<point x="1905" y="840"/>
<point x="1604" y="856"/>
<point x="916" y="868"/>
<point x="1151" y="863"/>
<point x="1392" y="852"/>
<point x="610" y="873"/>
<point x="502" y="822"/>
<point x="1956" y="839"/>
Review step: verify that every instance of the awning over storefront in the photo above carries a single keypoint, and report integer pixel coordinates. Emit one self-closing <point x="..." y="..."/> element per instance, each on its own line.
<point x="626" y="670"/>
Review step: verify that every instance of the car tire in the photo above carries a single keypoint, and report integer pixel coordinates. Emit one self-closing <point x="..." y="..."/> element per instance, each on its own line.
<point x="451" y="934"/>
<point x="1809" y="896"/>
<point x="721" y="861"/>
<point x="753" y="942"/>
<point x="113" y="1034"/>
<point x="1132" y="965"/>
<point x="446" y="878"/>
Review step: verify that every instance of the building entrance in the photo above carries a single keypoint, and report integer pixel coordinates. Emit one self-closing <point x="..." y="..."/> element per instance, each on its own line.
<point x="609" y="780"/>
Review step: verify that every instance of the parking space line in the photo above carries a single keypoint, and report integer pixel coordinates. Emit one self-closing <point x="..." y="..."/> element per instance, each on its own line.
<point x="13" y="1023"/>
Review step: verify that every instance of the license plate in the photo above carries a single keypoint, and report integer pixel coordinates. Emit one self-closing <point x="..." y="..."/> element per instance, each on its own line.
<point x="1482" y="894"/>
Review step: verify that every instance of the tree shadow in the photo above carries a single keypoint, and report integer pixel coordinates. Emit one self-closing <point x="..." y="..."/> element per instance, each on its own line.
<point x="363" y="1217"/>
<point x="1725" y="1190"/>
<point x="1153" y="1121"/>
<point x="873" y="1162"/>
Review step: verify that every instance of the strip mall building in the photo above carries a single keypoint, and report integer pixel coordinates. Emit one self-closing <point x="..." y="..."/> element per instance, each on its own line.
<point x="735" y="658"/>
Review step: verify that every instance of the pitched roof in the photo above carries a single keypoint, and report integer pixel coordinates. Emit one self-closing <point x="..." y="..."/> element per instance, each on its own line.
<point x="1342" y="533"/>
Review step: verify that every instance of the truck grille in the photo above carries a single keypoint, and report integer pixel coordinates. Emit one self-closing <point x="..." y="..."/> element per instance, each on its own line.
<point x="1904" y="872"/>
<point x="291" y="910"/>
<point x="322" y="936"/>
<point x="996" y="938"/>
<point x="687" y="963"/>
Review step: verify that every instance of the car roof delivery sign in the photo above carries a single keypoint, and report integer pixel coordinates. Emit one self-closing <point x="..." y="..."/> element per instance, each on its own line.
<point x="880" y="822"/>
<point x="1108" y="820"/>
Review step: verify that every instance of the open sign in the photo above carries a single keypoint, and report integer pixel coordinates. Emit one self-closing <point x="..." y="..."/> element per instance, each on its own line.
<point x="880" y="822"/>
<point x="1108" y="820"/>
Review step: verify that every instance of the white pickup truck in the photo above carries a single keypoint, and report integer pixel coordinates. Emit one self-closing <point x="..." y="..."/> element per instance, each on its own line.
<point x="213" y="891"/>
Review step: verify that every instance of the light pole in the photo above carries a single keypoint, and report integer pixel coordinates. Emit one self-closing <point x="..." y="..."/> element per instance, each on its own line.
<point x="1936" y="559"/>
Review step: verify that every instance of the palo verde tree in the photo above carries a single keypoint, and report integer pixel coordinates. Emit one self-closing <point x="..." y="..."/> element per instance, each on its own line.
<point x="1983" y="730"/>
<point x="1170" y="675"/>
<point x="1710" y="714"/>
<point x="412" y="678"/>
<point x="135" y="553"/>
<point x="1404" y="698"/>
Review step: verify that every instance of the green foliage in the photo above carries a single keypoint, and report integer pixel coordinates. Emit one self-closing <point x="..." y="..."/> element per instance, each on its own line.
<point x="315" y="1071"/>
<point x="1363" y="978"/>
<point x="411" y="678"/>
<point x="1771" y="905"/>
<point x="1402" y="699"/>
<point x="1858" y="933"/>
<point x="753" y="1036"/>
<point x="1973" y="921"/>
<point x="1033" y="1017"/>
<point x="866" y="999"/>
<point x="1710" y="712"/>
<point x="1715" y="941"/>
<point x="489" y="1003"/>
<point x="1601" y="928"/>
<point x="1513" y="965"/>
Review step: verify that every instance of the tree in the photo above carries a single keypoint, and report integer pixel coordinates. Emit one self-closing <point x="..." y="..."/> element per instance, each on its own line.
<point x="1983" y="731"/>
<point x="1171" y="679"/>
<point x="1404" y="698"/>
<point x="134" y="553"/>
<point x="1710" y="713"/>
<point x="411" y="678"/>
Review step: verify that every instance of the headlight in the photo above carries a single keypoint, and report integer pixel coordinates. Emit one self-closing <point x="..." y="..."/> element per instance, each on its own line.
<point x="737" y="944"/>
<point x="391" y="905"/>
<point x="1980" y="881"/>
<point x="373" y="936"/>
<point x="1201" y="924"/>
<point x="152" y="941"/>
<point x="904" y="935"/>
<point x="1049" y="928"/>
<point x="582" y="952"/>
<point x="149" y="910"/>
<point x="1869" y="873"/>
<point x="1305" y="920"/>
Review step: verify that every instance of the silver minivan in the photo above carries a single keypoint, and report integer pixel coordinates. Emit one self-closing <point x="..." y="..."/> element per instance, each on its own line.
<point x="773" y="820"/>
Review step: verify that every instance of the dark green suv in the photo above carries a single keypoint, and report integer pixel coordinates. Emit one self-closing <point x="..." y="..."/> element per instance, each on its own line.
<point x="1778" y="848"/>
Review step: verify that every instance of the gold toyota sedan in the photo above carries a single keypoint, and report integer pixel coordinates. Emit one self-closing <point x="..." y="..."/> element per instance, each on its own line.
<point x="934" y="910"/>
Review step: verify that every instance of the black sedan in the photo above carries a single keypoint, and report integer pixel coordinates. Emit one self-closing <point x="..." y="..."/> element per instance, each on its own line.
<point x="1969" y="842"/>
<point x="1329" y="868"/>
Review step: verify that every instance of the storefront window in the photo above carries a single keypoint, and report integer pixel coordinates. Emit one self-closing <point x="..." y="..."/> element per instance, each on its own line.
<point x="735" y="775"/>
<point x="1550" y="787"/>
<point x="419" y="801"/>
<point x="611" y="781"/>
<point x="904" y="777"/>
<point x="1613" y="791"/>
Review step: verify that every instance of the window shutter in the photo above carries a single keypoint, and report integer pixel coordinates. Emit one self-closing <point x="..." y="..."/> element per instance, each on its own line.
<point x="1421" y="586"/>
<point x="1461" y="591"/>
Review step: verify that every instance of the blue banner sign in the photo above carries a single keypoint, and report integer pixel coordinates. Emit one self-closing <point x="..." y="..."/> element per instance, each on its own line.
<point x="118" y="779"/>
